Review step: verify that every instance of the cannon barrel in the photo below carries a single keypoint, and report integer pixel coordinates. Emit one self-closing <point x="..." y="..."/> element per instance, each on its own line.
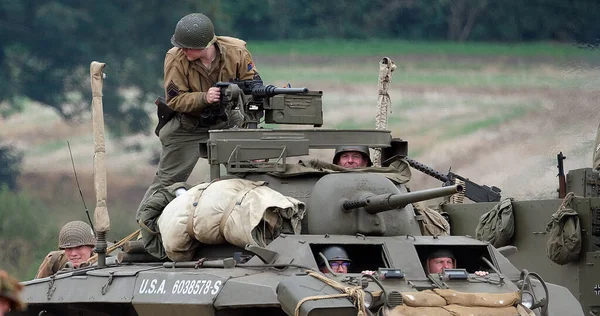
<point x="384" y="202"/>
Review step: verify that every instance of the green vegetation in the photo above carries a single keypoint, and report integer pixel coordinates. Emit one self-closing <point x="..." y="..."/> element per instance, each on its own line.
<point x="389" y="47"/>
<point x="26" y="233"/>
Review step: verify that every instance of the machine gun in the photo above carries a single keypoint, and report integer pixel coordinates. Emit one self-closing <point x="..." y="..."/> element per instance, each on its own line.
<point x="473" y="191"/>
<point x="277" y="105"/>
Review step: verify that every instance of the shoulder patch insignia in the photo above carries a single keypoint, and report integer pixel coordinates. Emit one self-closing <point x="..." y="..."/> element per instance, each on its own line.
<point x="172" y="89"/>
<point x="249" y="62"/>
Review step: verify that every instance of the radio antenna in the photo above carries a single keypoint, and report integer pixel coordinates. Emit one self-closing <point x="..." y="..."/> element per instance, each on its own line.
<point x="79" y="188"/>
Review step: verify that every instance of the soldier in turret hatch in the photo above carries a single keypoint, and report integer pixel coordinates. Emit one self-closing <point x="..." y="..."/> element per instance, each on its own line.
<point x="76" y="242"/>
<point x="352" y="157"/>
<point x="198" y="60"/>
<point x="338" y="260"/>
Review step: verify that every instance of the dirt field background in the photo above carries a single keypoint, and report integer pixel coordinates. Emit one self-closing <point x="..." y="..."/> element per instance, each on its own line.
<point x="498" y="121"/>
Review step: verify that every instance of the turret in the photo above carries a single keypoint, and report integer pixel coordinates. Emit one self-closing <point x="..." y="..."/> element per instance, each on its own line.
<point x="366" y="203"/>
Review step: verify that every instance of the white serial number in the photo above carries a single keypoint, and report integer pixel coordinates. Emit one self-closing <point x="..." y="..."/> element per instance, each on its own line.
<point x="196" y="287"/>
<point x="185" y="287"/>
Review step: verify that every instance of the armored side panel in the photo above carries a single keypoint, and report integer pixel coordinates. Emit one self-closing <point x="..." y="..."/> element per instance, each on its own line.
<point x="584" y="182"/>
<point x="581" y="277"/>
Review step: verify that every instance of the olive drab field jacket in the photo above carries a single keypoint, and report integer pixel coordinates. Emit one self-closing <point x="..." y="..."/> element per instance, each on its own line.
<point x="186" y="82"/>
<point x="54" y="261"/>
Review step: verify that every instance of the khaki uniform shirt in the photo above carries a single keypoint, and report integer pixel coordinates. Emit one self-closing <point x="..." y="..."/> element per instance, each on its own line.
<point x="187" y="81"/>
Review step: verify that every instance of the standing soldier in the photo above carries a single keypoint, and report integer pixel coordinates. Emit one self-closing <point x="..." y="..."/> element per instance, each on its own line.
<point x="198" y="60"/>
<point x="76" y="242"/>
<point x="10" y="290"/>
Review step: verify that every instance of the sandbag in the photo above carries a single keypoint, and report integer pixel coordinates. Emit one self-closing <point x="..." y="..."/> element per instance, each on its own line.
<point x="458" y="310"/>
<point x="498" y="225"/>
<point x="431" y="222"/>
<point x="403" y="310"/>
<point x="478" y="299"/>
<point x="237" y="211"/>
<point x="426" y="298"/>
<point x="564" y="238"/>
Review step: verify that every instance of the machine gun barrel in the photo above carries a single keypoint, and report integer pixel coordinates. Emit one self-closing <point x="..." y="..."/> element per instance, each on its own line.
<point x="473" y="191"/>
<point x="271" y="90"/>
<point x="384" y="202"/>
<point x="428" y="170"/>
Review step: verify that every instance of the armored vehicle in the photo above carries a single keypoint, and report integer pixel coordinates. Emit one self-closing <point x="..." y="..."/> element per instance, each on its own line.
<point x="367" y="212"/>
<point x="531" y="240"/>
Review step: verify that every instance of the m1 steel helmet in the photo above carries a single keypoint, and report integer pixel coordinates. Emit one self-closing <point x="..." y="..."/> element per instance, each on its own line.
<point x="195" y="31"/>
<point x="75" y="234"/>
<point x="364" y="150"/>
<point x="334" y="253"/>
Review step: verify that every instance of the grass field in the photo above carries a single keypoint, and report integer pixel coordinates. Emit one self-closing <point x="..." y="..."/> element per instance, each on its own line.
<point x="497" y="114"/>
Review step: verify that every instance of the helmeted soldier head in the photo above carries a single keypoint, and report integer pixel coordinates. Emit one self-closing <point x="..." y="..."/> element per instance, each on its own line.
<point x="78" y="241"/>
<point x="194" y="31"/>
<point x="352" y="156"/>
<point x="10" y="290"/>
<point x="440" y="259"/>
<point x="337" y="257"/>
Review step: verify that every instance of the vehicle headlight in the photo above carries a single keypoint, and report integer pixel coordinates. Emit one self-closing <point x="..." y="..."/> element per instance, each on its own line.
<point x="368" y="299"/>
<point x="527" y="299"/>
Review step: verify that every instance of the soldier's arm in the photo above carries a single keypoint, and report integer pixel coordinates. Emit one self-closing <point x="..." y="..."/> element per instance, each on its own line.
<point x="246" y="68"/>
<point x="178" y="94"/>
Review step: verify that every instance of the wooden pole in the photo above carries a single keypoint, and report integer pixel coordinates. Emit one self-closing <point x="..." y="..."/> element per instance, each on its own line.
<point x="101" y="219"/>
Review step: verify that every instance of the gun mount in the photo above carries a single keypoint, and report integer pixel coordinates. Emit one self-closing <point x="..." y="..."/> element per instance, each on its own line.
<point x="277" y="105"/>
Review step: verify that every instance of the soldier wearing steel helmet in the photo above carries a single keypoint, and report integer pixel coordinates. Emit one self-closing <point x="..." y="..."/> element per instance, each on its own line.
<point x="198" y="60"/>
<point x="76" y="242"/>
<point x="10" y="290"/>
<point x="337" y="259"/>
<point x="352" y="157"/>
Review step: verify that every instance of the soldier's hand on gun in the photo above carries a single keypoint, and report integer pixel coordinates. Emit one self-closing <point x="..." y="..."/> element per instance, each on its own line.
<point x="213" y="95"/>
<point x="481" y="273"/>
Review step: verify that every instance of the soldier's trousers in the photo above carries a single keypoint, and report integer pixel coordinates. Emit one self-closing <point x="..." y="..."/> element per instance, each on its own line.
<point x="181" y="148"/>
